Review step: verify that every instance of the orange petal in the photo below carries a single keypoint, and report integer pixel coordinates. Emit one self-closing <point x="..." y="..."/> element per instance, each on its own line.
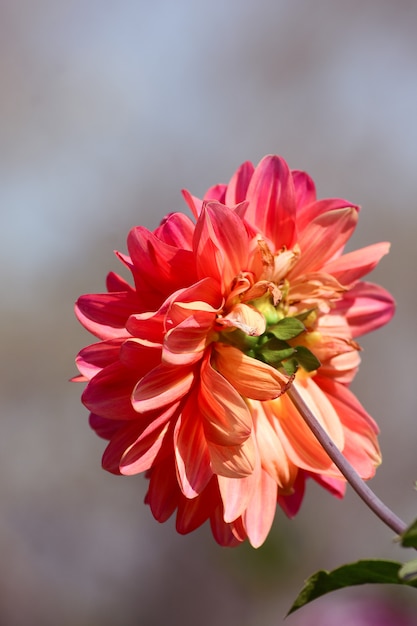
<point x="163" y="385"/>
<point x="233" y="461"/>
<point x="297" y="439"/>
<point x="228" y="421"/>
<point x="186" y="342"/>
<point x="332" y="227"/>
<point x="246" y="318"/>
<point x="361" y="443"/>
<point x="250" y="377"/>
<point x="273" y="456"/>
<point x="236" y="493"/>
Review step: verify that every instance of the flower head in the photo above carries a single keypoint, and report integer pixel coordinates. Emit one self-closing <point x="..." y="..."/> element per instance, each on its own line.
<point x="188" y="381"/>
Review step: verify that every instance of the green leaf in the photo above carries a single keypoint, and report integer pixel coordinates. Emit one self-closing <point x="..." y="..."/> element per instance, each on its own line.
<point x="359" y="573"/>
<point x="306" y="359"/>
<point x="408" y="572"/>
<point x="287" y="328"/>
<point x="409" y="536"/>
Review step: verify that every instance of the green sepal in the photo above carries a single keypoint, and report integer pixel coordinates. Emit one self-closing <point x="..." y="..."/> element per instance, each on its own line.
<point x="274" y="351"/>
<point x="290" y="366"/>
<point x="359" y="573"/>
<point x="307" y="359"/>
<point x="287" y="328"/>
<point x="304" y="315"/>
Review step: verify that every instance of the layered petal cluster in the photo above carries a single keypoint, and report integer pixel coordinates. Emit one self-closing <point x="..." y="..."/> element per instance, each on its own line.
<point x="227" y="311"/>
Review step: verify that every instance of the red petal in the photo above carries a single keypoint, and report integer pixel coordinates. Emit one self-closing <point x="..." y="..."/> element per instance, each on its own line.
<point x="109" y="393"/>
<point x="191" y="452"/>
<point x="92" y="359"/>
<point x="220" y="243"/>
<point x="105" y="427"/>
<point x="161" y="268"/>
<point x="105" y="314"/>
<point x="164" y="494"/>
<point x="192" y="513"/>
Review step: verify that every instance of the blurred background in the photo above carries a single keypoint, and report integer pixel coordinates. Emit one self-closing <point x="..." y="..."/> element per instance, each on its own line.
<point x="107" y="110"/>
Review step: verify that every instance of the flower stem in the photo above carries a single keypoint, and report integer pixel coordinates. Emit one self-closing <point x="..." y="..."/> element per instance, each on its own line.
<point x="371" y="500"/>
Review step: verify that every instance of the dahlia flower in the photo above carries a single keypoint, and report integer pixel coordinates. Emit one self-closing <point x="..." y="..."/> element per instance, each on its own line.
<point x="189" y="381"/>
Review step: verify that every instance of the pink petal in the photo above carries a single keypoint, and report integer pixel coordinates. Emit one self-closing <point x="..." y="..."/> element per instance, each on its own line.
<point x="221" y="244"/>
<point x="250" y="377"/>
<point x="309" y="212"/>
<point x="366" y="307"/>
<point x="177" y="230"/>
<point x="260" y="513"/>
<point x="163" y="385"/>
<point x="216" y="193"/>
<point x="323" y="238"/>
<point x="236" y="493"/>
<point x="341" y="367"/>
<point x="194" y="203"/>
<point x="271" y="198"/>
<point x="361" y="444"/>
<point x="305" y="190"/>
<point x="352" y="266"/>
<point x="335" y="486"/>
<point x="238" y="185"/>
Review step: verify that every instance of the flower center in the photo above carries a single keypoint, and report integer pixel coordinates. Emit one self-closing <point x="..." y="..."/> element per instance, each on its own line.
<point x="282" y="342"/>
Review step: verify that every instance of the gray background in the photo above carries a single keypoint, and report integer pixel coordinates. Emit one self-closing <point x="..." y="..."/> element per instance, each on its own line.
<point x="107" y="110"/>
